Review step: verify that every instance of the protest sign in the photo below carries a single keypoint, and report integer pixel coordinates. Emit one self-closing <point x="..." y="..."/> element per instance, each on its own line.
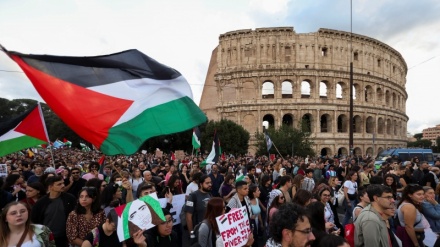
<point x="234" y="227"/>
<point x="180" y="155"/>
<point x="141" y="214"/>
<point x="144" y="151"/>
<point x="178" y="201"/>
<point x="3" y="170"/>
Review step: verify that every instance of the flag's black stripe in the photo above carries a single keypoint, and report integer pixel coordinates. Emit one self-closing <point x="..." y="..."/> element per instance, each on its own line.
<point x="101" y="70"/>
<point x="7" y="125"/>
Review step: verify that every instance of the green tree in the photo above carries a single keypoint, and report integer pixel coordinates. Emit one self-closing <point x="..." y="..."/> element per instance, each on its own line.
<point x="234" y="139"/>
<point x="420" y="144"/>
<point x="418" y="136"/>
<point x="286" y="138"/>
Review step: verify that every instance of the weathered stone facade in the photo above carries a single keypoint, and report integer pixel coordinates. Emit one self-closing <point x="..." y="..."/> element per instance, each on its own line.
<point x="280" y="76"/>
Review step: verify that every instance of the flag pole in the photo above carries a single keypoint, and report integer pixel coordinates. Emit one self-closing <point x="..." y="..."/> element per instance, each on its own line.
<point x="277" y="150"/>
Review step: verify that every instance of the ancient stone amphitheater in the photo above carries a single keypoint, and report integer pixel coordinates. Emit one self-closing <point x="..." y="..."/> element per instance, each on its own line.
<point x="278" y="76"/>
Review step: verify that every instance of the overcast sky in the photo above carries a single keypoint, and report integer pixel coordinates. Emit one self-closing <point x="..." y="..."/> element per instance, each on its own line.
<point x="183" y="33"/>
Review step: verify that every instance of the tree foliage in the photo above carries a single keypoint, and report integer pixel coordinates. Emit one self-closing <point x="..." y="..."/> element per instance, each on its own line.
<point x="420" y="144"/>
<point x="418" y="136"/>
<point x="285" y="138"/>
<point x="234" y="139"/>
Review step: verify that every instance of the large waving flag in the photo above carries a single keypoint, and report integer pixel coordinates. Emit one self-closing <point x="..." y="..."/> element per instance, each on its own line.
<point x="268" y="141"/>
<point x="215" y="152"/>
<point x="26" y="130"/>
<point x="116" y="101"/>
<point x="196" y="138"/>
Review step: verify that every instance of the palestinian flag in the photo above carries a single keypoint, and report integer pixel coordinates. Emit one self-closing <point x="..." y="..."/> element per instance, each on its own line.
<point x="116" y="101"/>
<point x="25" y="131"/>
<point x="141" y="214"/>
<point x="196" y="138"/>
<point x="215" y="152"/>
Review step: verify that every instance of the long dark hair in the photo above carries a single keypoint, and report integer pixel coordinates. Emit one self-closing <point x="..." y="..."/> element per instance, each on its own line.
<point x="393" y="186"/>
<point x="107" y="194"/>
<point x="302" y="196"/>
<point x="409" y="190"/>
<point x="93" y="193"/>
<point x="213" y="210"/>
<point x="315" y="211"/>
<point x="4" y="227"/>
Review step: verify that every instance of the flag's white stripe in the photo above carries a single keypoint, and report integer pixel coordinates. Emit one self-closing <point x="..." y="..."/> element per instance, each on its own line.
<point x="12" y="134"/>
<point x="211" y="155"/>
<point x="145" y="93"/>
<point x="196" y="138"/>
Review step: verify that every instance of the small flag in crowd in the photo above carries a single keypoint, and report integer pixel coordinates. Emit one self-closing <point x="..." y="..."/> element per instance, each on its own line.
<point x="268" y="141"/>
<point x="126" y="97"/>
<point x="58" y="144"/>
<point x="26" y="130"/>
<point x="196" y="138"/>
<point x="67" y="143"/>
<point x="215" y="152"/>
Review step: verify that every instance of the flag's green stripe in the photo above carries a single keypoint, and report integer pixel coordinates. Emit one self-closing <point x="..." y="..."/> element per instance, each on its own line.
<point x="17" y="144"/>
<point x="172" y="117"/>
<point x="155" y="205"/>
<point x="125" y="220"/>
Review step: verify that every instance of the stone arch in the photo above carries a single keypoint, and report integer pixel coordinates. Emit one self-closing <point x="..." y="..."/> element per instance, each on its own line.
<point x="342" y="123"/>
<point x="288" y="120"/>
<point x="326" y="152"/>
<point x="387" y="97"/>
<point x="341" y="90"/>
<point x="342" y="151"/>
<point x="389" y="126"/>
<point x="356" y="91"/>
<point x="357" y="124"/>
<point x="249" y="123"/>
<point x="286" y="90"/>
<point x="380" y="149"/>
<point x="357" y="151"/>
<point x="369" y="151"/>
<point x="269" y="118"/>
<point x="307" y="122"/>
<point x="268" y="91"/>
<point x="396" y="128"/>
<point x="380" y="126"/>
<point x="323" y="89"/>
<point x="326" y="123"/>
<point x="306" y="89"/>
<point x="394" y="100"/>
<point x="368" y="94"/>
<point x="369" y="125"/>
<point x="379" y="95"/>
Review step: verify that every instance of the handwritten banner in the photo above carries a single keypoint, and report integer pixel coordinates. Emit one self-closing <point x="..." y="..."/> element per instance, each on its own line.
<point x="234" y="227"/>
<point x="178" y="201"/>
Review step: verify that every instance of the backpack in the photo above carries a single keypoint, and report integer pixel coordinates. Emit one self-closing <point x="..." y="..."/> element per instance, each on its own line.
<point x="349" y="233"/>
<point x="182" y="214"/>
<point x="195" y="241"/>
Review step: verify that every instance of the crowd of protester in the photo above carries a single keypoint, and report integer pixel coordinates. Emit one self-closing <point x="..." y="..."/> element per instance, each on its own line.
<point x="65" y="199"/>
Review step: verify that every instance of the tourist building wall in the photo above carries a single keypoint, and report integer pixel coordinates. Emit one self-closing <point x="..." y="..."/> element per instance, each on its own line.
<point x="284" y="77"/>
<point x="431" y="134"/>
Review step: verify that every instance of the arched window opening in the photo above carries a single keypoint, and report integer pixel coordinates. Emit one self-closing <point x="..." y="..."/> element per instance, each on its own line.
<point x="325" y="123"/>
<point x="342" y="123"/>
<point x="379" y="95"/>
<point x="368" y="94"/>
<point x="306" y="124"/>
<point x="323" y="89"/>
<point x="305" y="89"/>
<point x="357" y="124"/>
<point x="370" y="125"/>
<point x="268" y="90"/>
<point x="339" y="91"/>
<point x="380" y="126"/>
<point x="389" y="126"/>
<point x="288" y="120"/>
<point x="286" y="90"/>
<point x="270" y="121"/>
<point x="342" y="152"/>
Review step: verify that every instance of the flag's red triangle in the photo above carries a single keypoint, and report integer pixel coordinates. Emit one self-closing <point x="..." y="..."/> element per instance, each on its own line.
<point x="32" y="125"/>
<point x="84" y="110"/>
<point x="119" y="210"/>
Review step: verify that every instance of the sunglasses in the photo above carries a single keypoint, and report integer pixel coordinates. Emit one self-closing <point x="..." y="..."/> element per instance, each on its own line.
<point x="73" y="173"/>
<point x="282" y="197"/>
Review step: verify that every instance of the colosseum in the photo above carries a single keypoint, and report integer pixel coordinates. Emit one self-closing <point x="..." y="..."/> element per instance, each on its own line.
<point x="283" y="77"/>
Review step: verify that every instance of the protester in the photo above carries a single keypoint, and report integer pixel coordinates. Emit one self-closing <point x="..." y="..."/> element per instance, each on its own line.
<point x="161" y="235"/>
<point x="227" y="190"/>
<point x="76" y="182"/>
<point x="431" y="209"/>
<point x="53" y="209"/>
<point x="276" y="199"/>
<point x="105" y="234"/>
<point x="320" y="228"/>
<point x="34" y="191"/>
<point x="410" y="215"/>
<point x="86" y="216"/>
<point x="111" y="196"/>
<point x="14" y="185"/>
<point x="364" y="200"/>
<point x="257" y="207"/>
<point x="195" y="206"/>
<point x="136" y="180"/>
<point x="94" y="172"/>
<point x="97" y="183"/>
<point x="350" y="194"/>
<point x="296" y="184"/>
<point x="370" y="225"/>
<point x="329" y="217"/>
<point x="16" y="228"/>
<point x="291" y="227"/>
<point x="331" y="240"/>
<point x="303" y="197"/>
